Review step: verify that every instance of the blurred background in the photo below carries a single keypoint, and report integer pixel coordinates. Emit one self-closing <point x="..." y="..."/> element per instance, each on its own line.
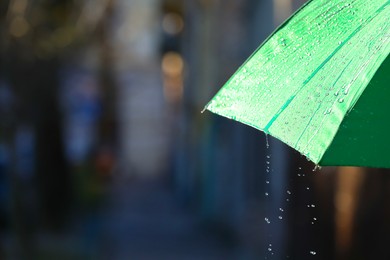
<point x="105" y="154"/>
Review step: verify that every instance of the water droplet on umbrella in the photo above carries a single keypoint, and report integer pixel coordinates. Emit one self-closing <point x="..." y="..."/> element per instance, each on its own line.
<point x="328" y="111"/>
<point x="283" y="42"/>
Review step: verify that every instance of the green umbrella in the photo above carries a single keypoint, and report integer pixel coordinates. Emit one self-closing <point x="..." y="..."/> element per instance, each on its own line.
<point x="320" y="83"/>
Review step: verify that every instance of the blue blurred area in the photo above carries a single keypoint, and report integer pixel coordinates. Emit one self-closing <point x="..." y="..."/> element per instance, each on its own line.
<point x="105" y="154"/>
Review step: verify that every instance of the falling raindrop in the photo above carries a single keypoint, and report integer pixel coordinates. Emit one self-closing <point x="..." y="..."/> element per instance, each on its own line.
<point x="281" y="209"/>
<point x="289" y="192"/>
<point x="313" y="252"/>
<point x="266" y="194"/>
<point x="313" y="206"/>
<point x="341" y="100"/>
<point x="280" y="217"/>
<point x="267" y="220"/>
<point x="266" y="140"/>
<point x="317" y="167"/>
<point x="307" y="188"/>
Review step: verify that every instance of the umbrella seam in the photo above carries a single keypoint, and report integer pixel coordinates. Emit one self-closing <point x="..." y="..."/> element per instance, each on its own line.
<point x="311" y="118"/>
<point x="288" y="102"/>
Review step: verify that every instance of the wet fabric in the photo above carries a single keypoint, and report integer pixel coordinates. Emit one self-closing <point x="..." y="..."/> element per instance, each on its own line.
<point x="320" y="83"/>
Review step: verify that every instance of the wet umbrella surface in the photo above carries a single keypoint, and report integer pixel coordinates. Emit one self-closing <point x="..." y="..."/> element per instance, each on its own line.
<point x="320" y="83"/>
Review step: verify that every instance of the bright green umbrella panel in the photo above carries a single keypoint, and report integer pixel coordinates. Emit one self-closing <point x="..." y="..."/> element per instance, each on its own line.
<point x="311" y="84"/>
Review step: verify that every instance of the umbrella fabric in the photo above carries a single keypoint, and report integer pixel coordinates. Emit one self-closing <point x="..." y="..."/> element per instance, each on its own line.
<point x="320" y="83"/>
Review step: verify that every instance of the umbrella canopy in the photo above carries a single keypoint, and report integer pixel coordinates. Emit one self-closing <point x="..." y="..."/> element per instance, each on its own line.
<point x="320" y="83"/>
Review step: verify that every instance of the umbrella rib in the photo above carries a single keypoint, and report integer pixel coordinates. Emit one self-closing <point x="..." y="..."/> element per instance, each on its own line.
<point x="358" y="73"/>
<point x="308" y="124"/>
<point x="289" y="100"/>
<point x="319" y="106"/>
<point x="323" y="119"/>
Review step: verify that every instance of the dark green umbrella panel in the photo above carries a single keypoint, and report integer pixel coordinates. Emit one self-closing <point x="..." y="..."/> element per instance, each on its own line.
<point x="320" y="83"/>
